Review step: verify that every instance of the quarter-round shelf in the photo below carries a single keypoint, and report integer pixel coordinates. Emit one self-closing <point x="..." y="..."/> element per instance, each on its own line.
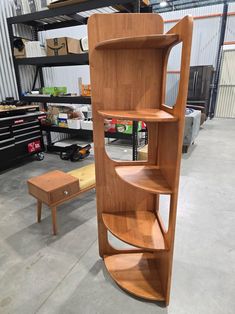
<point x="137" y="228"/>
<point x="148" y="115"/>
<point x="148" y="178"/>
<point x="136" y="273"/>
<point x="139" y="42"/>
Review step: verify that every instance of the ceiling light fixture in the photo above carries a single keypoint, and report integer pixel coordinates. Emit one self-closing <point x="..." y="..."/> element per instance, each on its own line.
<point x="163" y="3"/>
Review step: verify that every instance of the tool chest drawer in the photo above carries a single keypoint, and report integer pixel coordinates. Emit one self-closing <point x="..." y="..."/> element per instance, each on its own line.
<point x="16" y="135"/>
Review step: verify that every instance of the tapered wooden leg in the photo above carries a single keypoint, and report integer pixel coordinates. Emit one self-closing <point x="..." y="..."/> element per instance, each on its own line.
<point x="53" y="214"/>
<point x="39" y="210"/>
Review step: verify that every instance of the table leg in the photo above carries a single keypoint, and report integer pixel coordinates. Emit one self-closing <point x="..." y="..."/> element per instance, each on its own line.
<point x="53" y="214"/>
<point x="39" y="210"/>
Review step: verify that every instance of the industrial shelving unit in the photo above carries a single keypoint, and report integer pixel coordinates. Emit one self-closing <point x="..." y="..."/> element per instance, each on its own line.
<point x="56" y="18"/>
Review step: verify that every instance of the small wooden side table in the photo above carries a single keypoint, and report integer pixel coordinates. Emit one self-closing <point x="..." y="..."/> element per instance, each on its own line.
<point x="53" y="188"/>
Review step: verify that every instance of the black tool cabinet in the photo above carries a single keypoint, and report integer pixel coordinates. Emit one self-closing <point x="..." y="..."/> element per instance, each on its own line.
<point x="16" y="133"/>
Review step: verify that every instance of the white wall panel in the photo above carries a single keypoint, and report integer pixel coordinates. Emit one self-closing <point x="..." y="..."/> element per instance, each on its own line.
<point x="172" y="87"/>
<point x="213" y="9"/>
<point x="205" y="42"/>
<point x="225" y="107"/>
<point x="68" y="76"/>
<point x="230" y="29"/>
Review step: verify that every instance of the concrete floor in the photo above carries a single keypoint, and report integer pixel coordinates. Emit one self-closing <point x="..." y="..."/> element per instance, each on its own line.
<point x="40" y="273"/>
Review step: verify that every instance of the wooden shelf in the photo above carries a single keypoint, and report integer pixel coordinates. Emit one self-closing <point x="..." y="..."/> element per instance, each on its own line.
<point x="136" y="273"/>
<point x="137" y="228"/>
<point x="148" y="178"/>
<point x="139" y="42"/>
<point x="148" y="115"/>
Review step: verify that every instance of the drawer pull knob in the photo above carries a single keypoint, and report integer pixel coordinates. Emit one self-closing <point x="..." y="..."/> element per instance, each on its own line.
<point x="66" y="192"/>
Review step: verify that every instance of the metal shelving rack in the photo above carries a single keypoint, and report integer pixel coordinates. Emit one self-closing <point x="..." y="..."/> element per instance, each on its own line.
<point x="62" y="17"/>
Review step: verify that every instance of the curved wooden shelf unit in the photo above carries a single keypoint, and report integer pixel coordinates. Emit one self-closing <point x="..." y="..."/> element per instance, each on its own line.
<point x="148" y="178"/>
<point x="148" y="115"/>
<point x="139" y="42"/>
<point x="129" y="57"/>
<point x="137" y="228"/>
<point x="136" y="273"/>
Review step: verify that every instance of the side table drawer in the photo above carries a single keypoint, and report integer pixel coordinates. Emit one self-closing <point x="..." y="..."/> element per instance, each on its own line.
<point x="64" y="192"/>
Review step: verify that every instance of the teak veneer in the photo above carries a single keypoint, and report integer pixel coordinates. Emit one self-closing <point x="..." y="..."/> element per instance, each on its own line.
<point x="129" y="269"/>
<point x="128" y="55"/>
<point x="147" y="178"/>
<point x="138" y="228"/>
<point x="147" y="115"/>
<point x="140" y="42"/>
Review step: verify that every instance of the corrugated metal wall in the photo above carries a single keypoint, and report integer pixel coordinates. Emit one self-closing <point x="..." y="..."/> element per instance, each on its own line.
<point x="225" y="104"/>
<point x="226" y="93"/>
<point x="230" y="29"/>
<point x="7" y="76"/>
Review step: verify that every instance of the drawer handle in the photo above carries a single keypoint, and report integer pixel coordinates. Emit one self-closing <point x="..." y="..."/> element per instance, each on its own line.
<point x="66" y="192"/>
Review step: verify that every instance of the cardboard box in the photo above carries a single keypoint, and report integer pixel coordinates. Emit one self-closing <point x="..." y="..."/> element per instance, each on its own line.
<point x="63" y="46"/>
<point x="86" y="125"/>
<point x="55" y="91"/>
<point x="74" y="124"/>
<point x="31" y="49"/>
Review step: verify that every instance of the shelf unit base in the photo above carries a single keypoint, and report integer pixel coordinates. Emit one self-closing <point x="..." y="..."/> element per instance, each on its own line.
<point x="136" y="273"/>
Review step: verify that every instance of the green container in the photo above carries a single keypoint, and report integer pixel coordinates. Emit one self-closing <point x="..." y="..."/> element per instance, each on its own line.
<point x="126" y="127"/>
<point x="54" y="91"/>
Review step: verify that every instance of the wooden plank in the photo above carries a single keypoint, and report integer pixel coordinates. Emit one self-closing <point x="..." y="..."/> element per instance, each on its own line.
<point x="137" y="228"/>
<point x="139" y="42"/>
<point x="147" y="115"/>
<point x="148" y="178"/>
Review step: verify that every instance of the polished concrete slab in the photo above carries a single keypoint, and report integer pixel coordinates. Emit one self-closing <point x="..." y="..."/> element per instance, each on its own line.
<point x="40" y="273"/>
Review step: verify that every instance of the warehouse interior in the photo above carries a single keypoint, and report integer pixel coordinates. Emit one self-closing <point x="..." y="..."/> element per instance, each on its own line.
<point x="66" y="133"/>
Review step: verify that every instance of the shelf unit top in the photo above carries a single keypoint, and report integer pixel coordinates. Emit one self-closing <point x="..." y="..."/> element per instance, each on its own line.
<point x="136" y="273"/>
<point x="66" y="16"/>
<point x="57" y="99"/>
<point x="148" y="115"/>
<point x="148" y="178"/>
<point x="139" y="42"/>
<point x="137" y="228"/>
<point x="55" y="61"/>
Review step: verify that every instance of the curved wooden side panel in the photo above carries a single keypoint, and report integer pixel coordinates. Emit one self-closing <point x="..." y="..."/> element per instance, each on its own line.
<point x="171" y="138"/>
